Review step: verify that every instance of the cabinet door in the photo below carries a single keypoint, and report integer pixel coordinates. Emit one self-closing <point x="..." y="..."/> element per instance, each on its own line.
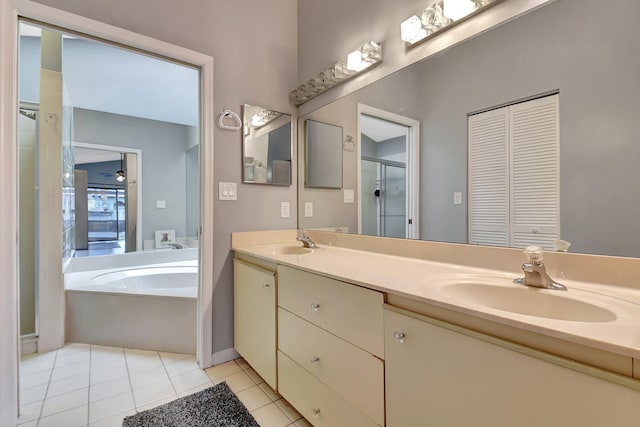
<point x="255" y="318"/>
<point x="436" y="376"/>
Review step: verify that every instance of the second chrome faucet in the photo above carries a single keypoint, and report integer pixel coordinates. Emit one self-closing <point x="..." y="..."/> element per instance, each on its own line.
<point x="535" y="273"/>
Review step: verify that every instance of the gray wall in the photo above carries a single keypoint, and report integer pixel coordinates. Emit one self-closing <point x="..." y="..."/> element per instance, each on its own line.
<point x="163" y="162"/>
<point x="596" y="72"/>
<point x="98" y="173"/>
<point x="223" y="30"/>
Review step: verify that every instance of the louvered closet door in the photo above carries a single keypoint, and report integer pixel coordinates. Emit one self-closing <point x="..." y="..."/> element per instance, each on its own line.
<point x="489" y="178"/>
<point x="535" y="172"/>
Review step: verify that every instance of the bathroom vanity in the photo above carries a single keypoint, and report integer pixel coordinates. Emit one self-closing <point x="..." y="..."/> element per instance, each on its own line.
<point x="394" y="336"/>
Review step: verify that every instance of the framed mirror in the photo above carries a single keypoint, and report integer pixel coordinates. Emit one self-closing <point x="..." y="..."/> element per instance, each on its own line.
<point x="267" y="147"/>
<point x="323" y="155"/>
<point x="552" y="49"/>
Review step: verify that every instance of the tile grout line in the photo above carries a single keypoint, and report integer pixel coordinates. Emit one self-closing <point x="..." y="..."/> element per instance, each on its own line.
<point x="133" y="396"/>
<point x="55" y="359"/>
<point x="89" y="389"/>
<point x="168" y="376"/>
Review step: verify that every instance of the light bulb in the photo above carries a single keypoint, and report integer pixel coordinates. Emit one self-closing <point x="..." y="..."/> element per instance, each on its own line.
<point x="411" y="30"/>
<point x="457" y="9"/>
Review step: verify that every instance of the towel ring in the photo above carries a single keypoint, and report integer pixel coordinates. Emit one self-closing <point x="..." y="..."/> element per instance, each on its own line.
<point x="228" y="114"/>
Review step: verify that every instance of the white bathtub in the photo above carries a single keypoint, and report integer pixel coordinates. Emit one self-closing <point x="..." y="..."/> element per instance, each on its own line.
<point x="177" y="280"/>
<point x="132" y="302"/>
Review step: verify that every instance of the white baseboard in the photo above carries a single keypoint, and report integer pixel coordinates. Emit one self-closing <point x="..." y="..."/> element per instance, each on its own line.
<point x="28" y="345"/>
<point x="224" y="356"/>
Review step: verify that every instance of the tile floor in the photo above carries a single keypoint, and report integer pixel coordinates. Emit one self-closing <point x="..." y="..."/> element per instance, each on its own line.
<point x="88" y="385"/>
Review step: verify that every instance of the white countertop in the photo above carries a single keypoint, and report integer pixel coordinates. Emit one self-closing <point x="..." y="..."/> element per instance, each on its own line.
<point x="424" y="281"/>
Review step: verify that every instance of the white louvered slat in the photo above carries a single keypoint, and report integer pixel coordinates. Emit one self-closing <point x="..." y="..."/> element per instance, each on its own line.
<point x="489" y="178"/>
<point x="535" y="172"/>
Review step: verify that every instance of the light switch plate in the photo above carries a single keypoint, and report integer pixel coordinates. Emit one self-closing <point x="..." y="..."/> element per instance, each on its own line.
<point x="161" y="204"/>
<point x="457" y="198"/>
<point x="228" y="191"/>
<point x="349" y="196"/>
<point x="285" y="210"/>
<point x="308" y="209"/>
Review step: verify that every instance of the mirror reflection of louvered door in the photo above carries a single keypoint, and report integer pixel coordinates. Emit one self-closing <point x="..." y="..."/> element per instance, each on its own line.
<point x="514" y="175"/>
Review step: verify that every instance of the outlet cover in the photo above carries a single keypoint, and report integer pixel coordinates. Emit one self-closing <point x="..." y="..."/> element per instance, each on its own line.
<point x="284" y="210"/>
<point x="457" y="198"/>
<point x="161" y="204"/>
<point x="228" y="191"/>
<point x="308" y="209"/>
<point x="349" y="196"/>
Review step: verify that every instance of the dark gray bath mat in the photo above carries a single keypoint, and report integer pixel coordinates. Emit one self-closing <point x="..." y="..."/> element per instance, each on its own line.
<point x="216" y="406"/>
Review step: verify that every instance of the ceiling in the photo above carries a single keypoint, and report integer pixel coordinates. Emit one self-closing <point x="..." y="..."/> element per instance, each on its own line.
<point x="102" y="77"/>
<point x="381" y="130"/>
<point x="89" y="155"/>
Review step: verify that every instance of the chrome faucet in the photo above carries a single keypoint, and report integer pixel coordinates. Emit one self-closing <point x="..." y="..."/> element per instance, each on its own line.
<point x="306" y="240"/>
<point x="175" y="245"/>
<point x="535" y="273"/>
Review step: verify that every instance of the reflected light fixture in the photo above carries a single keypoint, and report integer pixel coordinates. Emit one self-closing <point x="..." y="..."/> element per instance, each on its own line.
<point x="440" y="15"/>
<point x="263" y="117"/>
<point x="366" y="56"/>
<point x="120" y="176"/>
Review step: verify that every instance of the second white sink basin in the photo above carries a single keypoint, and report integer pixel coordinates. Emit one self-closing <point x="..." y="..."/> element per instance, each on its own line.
<point x="551" y="304"/>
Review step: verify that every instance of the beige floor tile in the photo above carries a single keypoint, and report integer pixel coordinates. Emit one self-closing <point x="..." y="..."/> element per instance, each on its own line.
<point x="271" y="416"/>
<point x="110" y="407"/>
<point x="254" y="376"/>
<point x="72" y="359"/>
<point x="30" y="411"/>
<point x="173" y="357"/>
<point x="134" y="353"/>
<point x="33" y="423"/>
<point x="156" y="403"/>
<point x="143" y="363"/>
<point x="242" y="363"/>
<point x="69" y="371"/>
<point x="153" y="377"/>
<point x="36" y="365"/>
<point x="108" y="372"/>
<point x="68" y="384"/>
<point x="288" y="410"/>
<point x="195" y="389"/>
<point x="38" y="357"/>
<point x="64" y="402"/>
<point x="109" y="389"/>
<point x="273" y="395"/>
<point x="303" y="423"/>
<point x="190" y="380"/>
<point x="33" y="394"/>
<point x="253" y="398"/>
<point x="223" y="370"/>
<point x="75" y="417"/>
<point x="237" y="382"/>
<point x="73" y="348"/>
<point x="181" y="366"/>
<point x="114" y="421"/>
<point x="145" y="395"/>
<point x="33" y="380"/>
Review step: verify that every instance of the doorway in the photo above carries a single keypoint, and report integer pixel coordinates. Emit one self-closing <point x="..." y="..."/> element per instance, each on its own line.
<point x="387" y="172"/>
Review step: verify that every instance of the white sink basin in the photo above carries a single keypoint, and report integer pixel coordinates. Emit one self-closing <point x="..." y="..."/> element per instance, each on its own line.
<point x="284" y="249"/>
<point x="551" y="304"/>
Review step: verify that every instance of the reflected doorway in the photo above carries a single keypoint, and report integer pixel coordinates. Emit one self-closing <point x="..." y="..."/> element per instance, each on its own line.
<point x="387" y="175"/>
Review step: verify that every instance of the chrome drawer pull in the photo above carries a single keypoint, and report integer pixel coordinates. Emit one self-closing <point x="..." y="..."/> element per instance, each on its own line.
<point x="315" y="412"/>
<point x="399" y="336"/>
<point x="266" y="285"/>
<point x="315" y="359"/>
<point x="315" y="306"/>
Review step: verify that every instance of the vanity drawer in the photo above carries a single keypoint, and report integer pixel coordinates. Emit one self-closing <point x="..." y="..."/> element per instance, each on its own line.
<point x="350" y="371"/>
<point x="349" y="311"/>
<point x="320" y="405"/>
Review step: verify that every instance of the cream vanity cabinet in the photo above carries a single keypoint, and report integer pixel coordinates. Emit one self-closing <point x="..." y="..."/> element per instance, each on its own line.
<point x="330" y="349"/>
<point x="443" y="375"/>
<point x="254" y="307"/>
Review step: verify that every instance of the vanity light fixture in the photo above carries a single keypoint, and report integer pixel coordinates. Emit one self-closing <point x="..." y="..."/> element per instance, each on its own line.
<point x="120" y="176"/>
<point x="359" y="60"/>
<point x="440" y="15"/>
<point x="263" y="117"/>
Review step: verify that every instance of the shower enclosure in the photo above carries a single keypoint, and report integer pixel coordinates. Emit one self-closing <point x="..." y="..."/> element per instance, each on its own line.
<point x="384" y="196"/>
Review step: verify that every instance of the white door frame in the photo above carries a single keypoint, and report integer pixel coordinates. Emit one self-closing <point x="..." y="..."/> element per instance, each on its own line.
<point x="10" y="11"/>
<point x="138" y="153"/>
<point x="413" y="164"/>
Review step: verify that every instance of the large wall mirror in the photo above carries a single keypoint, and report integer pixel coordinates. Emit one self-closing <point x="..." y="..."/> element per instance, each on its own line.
<point x="560" y="48"/>
<point x="266" y="146"/>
